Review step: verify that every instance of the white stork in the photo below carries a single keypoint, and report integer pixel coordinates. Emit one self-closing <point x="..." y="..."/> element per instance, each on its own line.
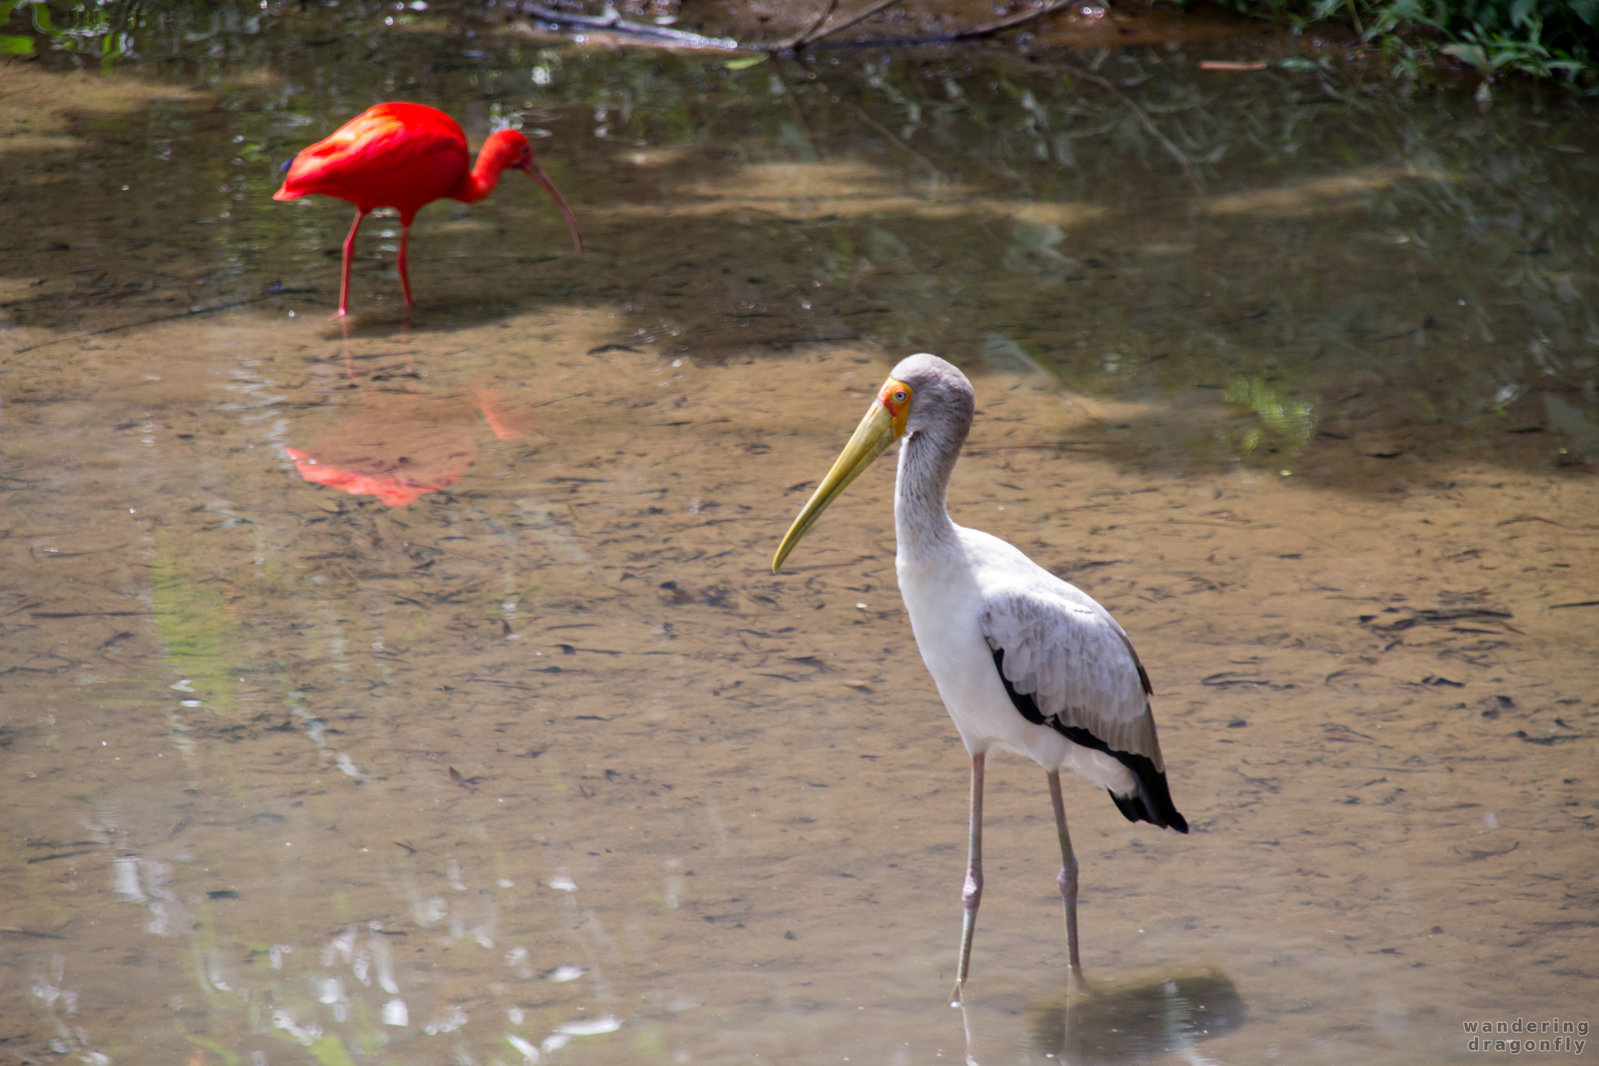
<point x="1024" y="661"/>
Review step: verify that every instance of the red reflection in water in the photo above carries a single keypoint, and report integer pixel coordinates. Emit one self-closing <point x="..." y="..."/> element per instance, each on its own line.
<point x="401" y="446"/>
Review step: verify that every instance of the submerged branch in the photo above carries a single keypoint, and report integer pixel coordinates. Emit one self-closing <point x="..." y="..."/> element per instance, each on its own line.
<point x="805" y="34"/>
<point x="1148" y="123"/>
<point x="810" y="36"/>
<point x="818" y="31"/>
<point x="611" y="22"/>
<point x="1011" y="22"/>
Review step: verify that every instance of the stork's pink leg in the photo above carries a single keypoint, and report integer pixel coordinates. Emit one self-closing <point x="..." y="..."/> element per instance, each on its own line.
<point x="1068" y="874"/>
<point x="972" y="893"/>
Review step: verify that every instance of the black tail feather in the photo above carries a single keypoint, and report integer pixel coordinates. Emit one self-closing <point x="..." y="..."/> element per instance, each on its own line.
<point x="1152" y="802"/>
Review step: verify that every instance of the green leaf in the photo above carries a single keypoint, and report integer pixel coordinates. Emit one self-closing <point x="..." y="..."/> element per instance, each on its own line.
<point x="330" y="1051"/>
<point x="1473" y="55"/>
<point x="13" y="45"/>
<point x="745" y="62"/>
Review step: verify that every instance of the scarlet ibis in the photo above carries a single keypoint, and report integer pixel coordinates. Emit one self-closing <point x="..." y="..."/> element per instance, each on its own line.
<point x="1024" y="661"/>
<point x="404" y="155"/>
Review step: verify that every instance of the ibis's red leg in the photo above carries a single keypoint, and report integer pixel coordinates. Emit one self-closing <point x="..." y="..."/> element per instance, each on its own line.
<point x="405" y="263"/>
<point x="972" y="894"/>
<point x="349" y="256"/>
<point x="1068" y="874"/>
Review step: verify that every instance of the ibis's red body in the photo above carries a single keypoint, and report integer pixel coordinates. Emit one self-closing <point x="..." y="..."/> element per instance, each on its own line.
<point x="403" y="156"/>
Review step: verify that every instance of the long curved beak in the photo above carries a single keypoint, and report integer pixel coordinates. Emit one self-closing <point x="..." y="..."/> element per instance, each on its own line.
<point x="542" y="180"/>
<point x="875" y="433"/>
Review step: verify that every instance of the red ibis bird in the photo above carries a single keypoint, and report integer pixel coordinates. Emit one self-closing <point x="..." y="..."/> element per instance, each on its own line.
<point x="1024" y="661"/>
<point x="404" y="156"/>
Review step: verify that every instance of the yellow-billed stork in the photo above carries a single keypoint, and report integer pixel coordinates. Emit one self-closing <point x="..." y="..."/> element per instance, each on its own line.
<point x="1024" y="661"/>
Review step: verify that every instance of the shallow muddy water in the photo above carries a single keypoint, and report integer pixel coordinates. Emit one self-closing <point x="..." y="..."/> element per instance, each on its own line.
<point x="419" y="692"/>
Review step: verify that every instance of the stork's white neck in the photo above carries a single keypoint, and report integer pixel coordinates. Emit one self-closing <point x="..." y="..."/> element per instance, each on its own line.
<point x="922" y="525"/>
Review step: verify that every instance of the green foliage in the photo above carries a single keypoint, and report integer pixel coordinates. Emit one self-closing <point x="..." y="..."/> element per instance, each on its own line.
<point x="1284" y="426"/>
<point x="113" y="30"/>
<point x="1555" y="40"/>
<point x="12" y="44"/>
<point x="1545" y="38"/>
<point x="85" y="28"/>
<point x="330" y="1051"/>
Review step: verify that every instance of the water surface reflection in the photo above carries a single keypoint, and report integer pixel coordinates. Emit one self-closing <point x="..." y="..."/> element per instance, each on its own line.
<point x="1139" y="1018"/>
<point x="545" y="766"/>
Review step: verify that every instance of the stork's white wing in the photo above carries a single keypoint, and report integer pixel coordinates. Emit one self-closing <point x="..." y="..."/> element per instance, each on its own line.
<point x="1065" y="652"/>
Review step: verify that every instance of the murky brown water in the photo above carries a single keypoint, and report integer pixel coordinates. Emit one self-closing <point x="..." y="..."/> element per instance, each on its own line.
<point x="543" y="764"/>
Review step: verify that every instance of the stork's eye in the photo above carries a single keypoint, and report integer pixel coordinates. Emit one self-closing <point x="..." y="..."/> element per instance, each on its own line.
<point x="900" y="396"/>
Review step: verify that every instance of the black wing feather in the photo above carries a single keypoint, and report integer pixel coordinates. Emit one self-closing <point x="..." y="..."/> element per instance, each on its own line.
<point x="1152" y="801"/>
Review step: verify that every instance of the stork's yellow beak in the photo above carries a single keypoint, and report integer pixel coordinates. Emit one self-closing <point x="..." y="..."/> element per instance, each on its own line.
<point x="883" y="424"/>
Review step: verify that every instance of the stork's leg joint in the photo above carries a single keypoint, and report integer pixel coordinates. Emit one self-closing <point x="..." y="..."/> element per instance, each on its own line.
<point x="1067" y="879"/>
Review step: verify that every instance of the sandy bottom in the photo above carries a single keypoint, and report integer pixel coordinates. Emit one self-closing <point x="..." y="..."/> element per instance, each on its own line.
<point x="551" y="749"/>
